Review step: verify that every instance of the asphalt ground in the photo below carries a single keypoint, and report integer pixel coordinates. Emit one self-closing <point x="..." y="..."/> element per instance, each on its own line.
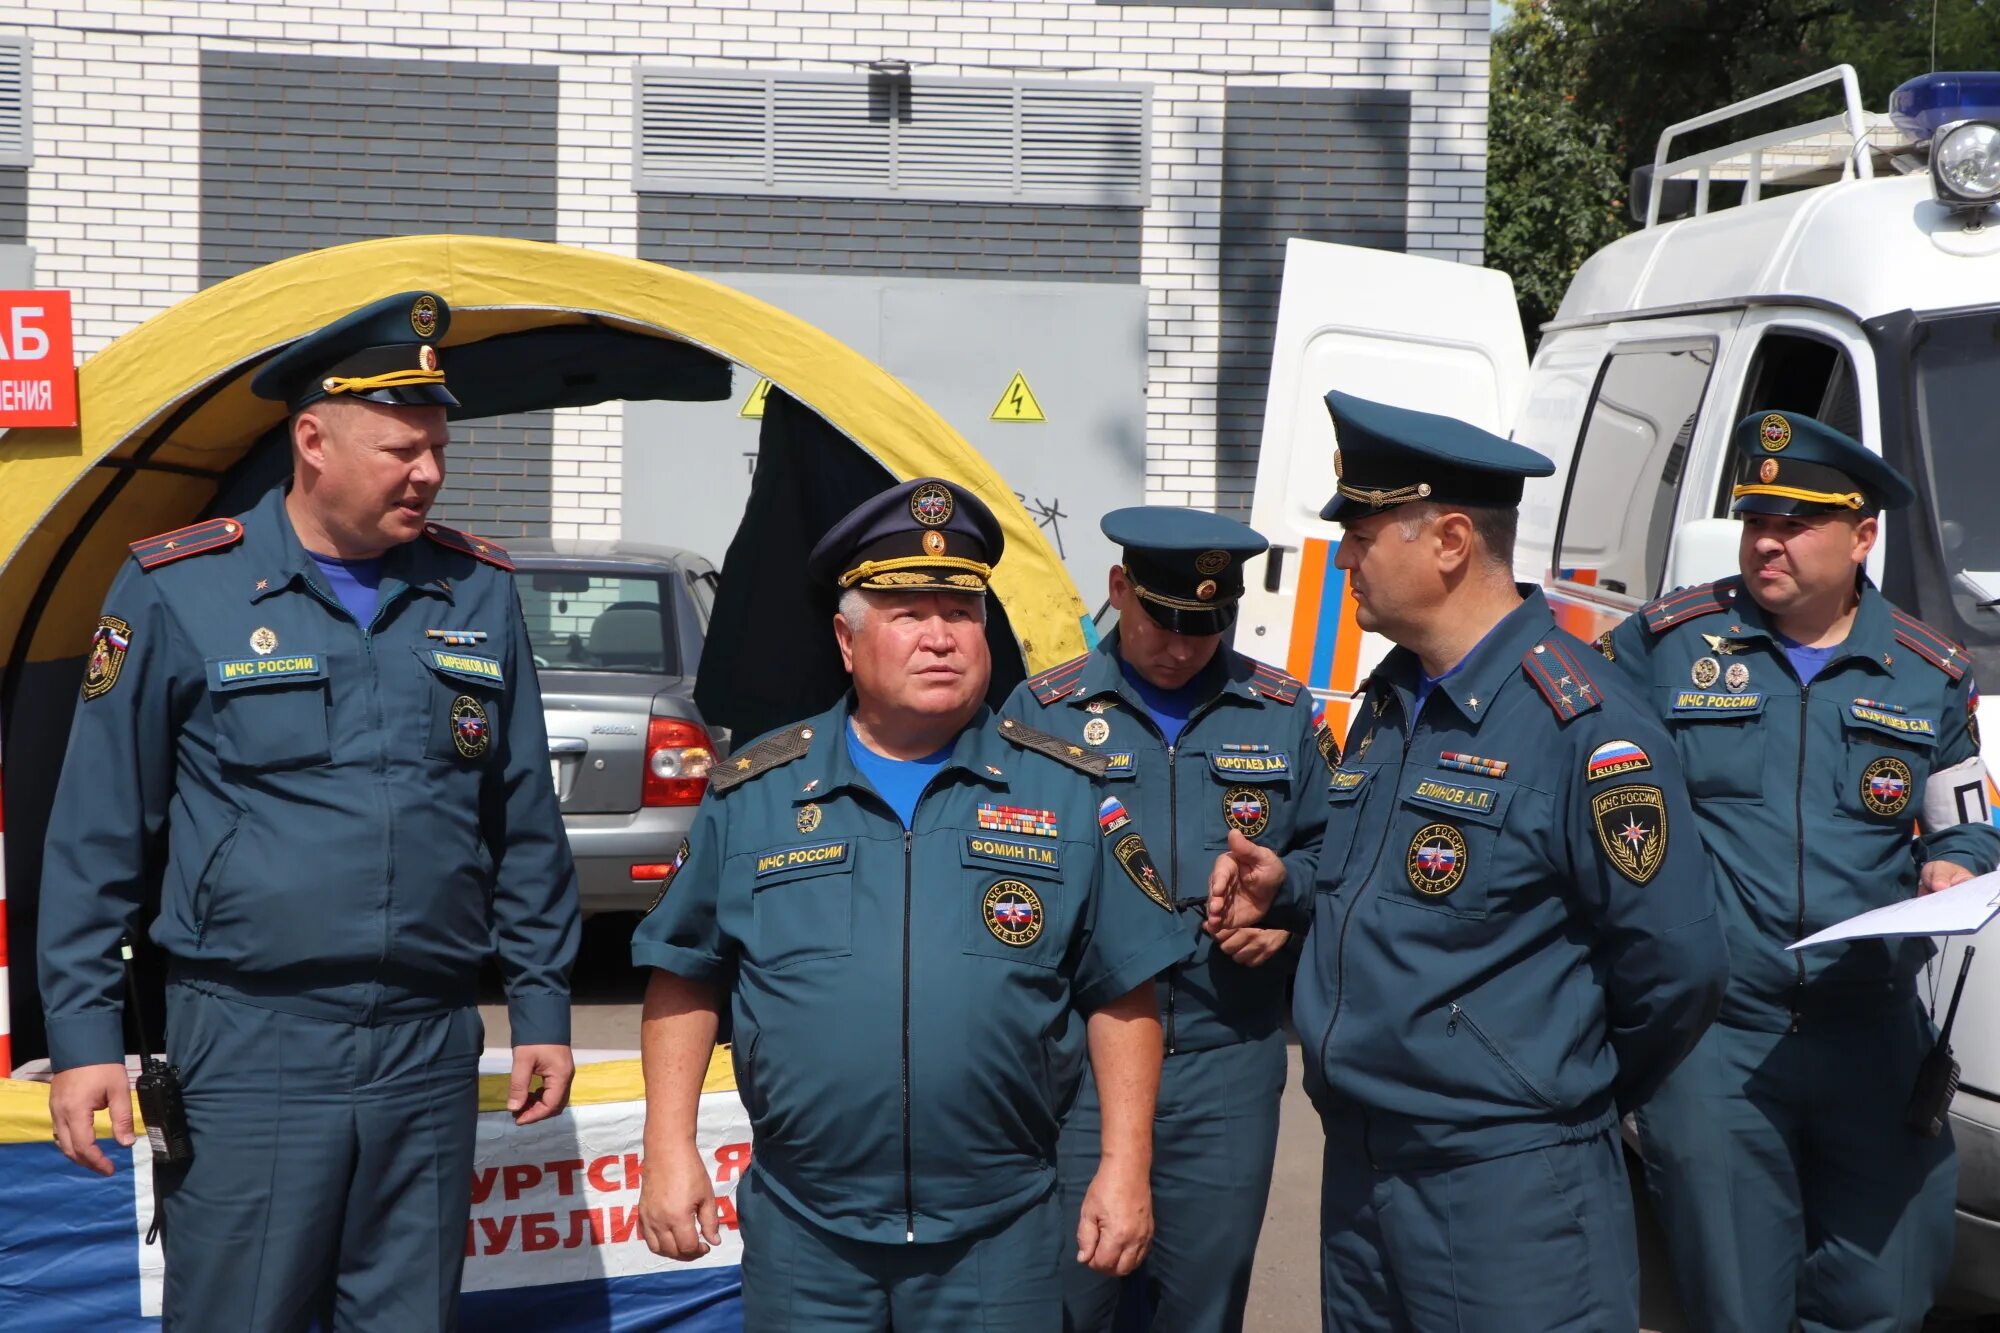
<point x="1284" y="1290"/>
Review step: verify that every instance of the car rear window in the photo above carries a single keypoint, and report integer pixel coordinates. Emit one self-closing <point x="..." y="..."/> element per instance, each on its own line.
<point x="582" y="620"/>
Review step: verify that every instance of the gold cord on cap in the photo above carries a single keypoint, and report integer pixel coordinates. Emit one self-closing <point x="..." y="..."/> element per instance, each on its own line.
<point x="873" y="569"/>
<point x="1382" y="499"/>
<point x="1849" y="499"/>
<point x="394" y="379"/>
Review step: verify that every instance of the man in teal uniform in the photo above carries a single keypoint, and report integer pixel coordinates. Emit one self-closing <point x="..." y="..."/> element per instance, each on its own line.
<point x="313" y="730"/>
<point x="1820" y="728"/>
<point x="1200" y="740"/>
<point x="921" y="917"/>
<point x="1513" y="936"/>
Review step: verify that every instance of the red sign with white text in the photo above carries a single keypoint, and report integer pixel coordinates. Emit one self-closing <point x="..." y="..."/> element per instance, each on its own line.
<point x="37" y="360"/>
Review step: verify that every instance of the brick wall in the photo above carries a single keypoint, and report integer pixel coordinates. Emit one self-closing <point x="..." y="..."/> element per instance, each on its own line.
<point x="922" y="239"/>
<point x="299" y="152"/>
<point x="115" y="200"/>
<point x="1328" y="164"/>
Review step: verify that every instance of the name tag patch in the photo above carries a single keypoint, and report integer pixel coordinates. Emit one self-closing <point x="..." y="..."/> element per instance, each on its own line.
<point x="1120" y="763"/>
<point x="1701" y="701"/>
<point x="1344" y="782"/>
<point x="1228" y="763"/>
<point x="1454" y="795"/>
<point x="801" y="858"/>
<point x="1886" y="717"/>
<point x="1003" y="851"/>
<point x="467" y="666"/>
<point x="236" y="672"/>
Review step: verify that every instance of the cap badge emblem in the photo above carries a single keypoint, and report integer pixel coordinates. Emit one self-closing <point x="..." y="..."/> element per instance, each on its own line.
<point x="1767" y="471"/>
<point x="1211" y="562"/>
<point x="934" y="543"/>
<point x="931" y="505"/>
<point x="1776" y="433"/>
<point x="424" y="316"/>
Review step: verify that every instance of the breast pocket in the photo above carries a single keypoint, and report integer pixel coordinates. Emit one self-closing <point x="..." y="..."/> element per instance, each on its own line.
<point x="1013" y="910"/>
<point x="1445" y="830"/>
<point x="1887" y="758"/>
<point x="465" y="696"/>
<point x="1248" y="792"/>
<point x="1346" y="791"/>
<point x="802" y="903"/>
<point x="1721" y="739"/>
<point x="270" y="712"/>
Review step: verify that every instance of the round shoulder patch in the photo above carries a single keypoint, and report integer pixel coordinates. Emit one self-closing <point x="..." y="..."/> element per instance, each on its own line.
<point x="1013" y="913"/>
<point x="1436" y="860"/>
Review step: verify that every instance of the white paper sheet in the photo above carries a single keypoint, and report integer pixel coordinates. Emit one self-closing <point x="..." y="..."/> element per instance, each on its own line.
<point x="1959" y="910"/>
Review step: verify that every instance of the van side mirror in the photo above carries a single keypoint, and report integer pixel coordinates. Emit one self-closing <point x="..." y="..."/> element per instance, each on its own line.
<point x="1704" y="550"/>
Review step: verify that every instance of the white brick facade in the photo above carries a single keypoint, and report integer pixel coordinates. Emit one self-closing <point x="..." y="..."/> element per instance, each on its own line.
<point x="114" y="204"/>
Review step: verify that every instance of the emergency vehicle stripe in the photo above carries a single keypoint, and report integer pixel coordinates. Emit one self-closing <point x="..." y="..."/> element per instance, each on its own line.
<point x="1325" y="648"/>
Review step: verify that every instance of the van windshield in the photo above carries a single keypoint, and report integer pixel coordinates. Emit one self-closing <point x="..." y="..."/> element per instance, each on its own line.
<point x="1956" y="363"/>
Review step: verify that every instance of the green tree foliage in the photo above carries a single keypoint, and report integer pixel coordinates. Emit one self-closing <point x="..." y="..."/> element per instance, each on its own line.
<point x="1582" y="89"/>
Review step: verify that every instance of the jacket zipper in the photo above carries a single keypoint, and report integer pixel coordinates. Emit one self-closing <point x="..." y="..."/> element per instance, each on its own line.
<point x="1799" y="853"/>
<point x="909" y="1171"/>
<point x="1173" y="860"/>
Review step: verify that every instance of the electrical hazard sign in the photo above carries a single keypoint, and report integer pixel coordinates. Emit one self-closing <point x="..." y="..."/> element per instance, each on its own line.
<point x="1018" y="403"/>
<point x="753" y="406"/>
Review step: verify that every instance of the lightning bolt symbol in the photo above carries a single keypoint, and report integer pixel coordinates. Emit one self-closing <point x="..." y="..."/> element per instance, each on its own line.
<point x="1015" y="398"/>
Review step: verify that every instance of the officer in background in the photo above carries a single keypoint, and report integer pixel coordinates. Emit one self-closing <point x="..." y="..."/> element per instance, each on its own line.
<point x="1819" y="727"/>
<point x="1513" y="936"/>
<point x="1199" y="740"/>
<point x="921" y="915"/>
<point x="314" y="730"/>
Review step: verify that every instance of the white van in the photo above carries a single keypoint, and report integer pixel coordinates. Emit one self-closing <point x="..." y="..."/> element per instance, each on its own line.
<point x="1851" y="278"/>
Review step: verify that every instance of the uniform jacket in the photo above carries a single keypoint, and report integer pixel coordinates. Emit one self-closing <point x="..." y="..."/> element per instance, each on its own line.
<point x="341" y="821"/>
<point x="1250" y="758"/>
<point x="1513" y="932"/>
<point x="908" y="1007"/>
<point x="1807" y="797"/>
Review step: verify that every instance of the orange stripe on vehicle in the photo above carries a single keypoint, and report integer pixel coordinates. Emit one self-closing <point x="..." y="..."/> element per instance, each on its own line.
<point x="1305" y="609"/>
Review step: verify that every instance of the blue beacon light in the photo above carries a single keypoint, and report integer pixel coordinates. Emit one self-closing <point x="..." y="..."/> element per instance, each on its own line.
<point x="1960" y="114"/>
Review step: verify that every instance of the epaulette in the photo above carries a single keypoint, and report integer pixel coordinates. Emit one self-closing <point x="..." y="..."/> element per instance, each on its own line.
<point x="477" y="547"/>
<point x="1058" y="681"/>
<point x="767" y="754"/>
<point x="1944" y="654"/>
<point x="195" y="539"/>
<point x="1663" y="613"/>
<point x="1558" y="673"/>
<point x="1273" y="683"/>
<point x="1056" y="748"/>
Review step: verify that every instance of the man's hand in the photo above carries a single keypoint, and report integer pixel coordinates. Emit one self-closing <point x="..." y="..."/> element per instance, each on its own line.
<point x="556" y="1066"/>
<point x="1940" y="875"/>
<point x="75" y="1098"/>
<point x="1243" y="885"/>
<point x="1117" y="1222"/>
<point x="677" y="1204"/>
<point x="1252" y="948"/>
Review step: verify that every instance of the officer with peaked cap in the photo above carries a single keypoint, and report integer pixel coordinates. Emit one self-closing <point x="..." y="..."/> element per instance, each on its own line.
<point x="1199" y="740"/>
<point x="314" y="730"/>
<point x="1832" y="747"/>
<point x="1513" y="936"/>
<point x="921" y="917"/>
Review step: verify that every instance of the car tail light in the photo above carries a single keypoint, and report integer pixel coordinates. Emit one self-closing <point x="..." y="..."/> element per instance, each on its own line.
<point x="678" y="753"/>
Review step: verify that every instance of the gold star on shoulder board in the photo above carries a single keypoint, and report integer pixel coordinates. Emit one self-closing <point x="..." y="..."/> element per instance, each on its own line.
<point x="1075" y="751"/>
<point x="742" y="764"/>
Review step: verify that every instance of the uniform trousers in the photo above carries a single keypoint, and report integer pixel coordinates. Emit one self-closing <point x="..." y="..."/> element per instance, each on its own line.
<point x="1789" y="1186"/>
<point x="331" y="1181"/>
<point x="802" y="1278"/>
<point x="1535" y="1242"/>
<point x="1215" y="1136"/>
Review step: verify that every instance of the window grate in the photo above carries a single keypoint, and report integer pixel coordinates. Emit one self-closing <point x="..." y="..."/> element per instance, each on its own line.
<point x="17" y="119"/>
<point x="857" y="136"/>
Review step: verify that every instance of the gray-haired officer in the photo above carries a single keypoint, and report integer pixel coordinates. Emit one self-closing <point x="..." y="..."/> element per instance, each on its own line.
<point x="1199" y="740"/>
<point x="1513" y="937"/>
<point x="315" y="729"/>
<point x="1831" y="745"/>
<point x="920" y="915"/>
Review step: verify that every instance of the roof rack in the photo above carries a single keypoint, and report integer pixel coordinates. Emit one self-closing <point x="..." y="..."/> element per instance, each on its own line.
<point x="1838" y="147"/>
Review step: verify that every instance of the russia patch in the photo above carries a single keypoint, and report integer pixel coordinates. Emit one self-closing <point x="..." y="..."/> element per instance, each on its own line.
<point x="1614" y="757"/>
<point x="1111" y="816"/>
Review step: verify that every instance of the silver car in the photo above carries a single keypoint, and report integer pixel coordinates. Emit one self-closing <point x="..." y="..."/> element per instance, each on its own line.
<point x="617" y="629"/>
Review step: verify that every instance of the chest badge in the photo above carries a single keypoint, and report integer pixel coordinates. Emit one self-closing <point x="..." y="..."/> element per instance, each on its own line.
<point x="263" y="641"/>
<point x="808" y="817"/>
<point x="1246" y="810"/>
<point x="107" y="655"/>
<point x="1886" y="785"/>
<point x="1706" y="672"/>
<point x="1096" y="705"/>
<point x="1720" y="646"/>
<point x="1018" y="819"/>
<point x="471" y="732"/>
<point x="1737" y="677"/>
<point x="1013" y="913"/>
<point x="1436" y="861"/>
<point x="1096" y="731"/>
